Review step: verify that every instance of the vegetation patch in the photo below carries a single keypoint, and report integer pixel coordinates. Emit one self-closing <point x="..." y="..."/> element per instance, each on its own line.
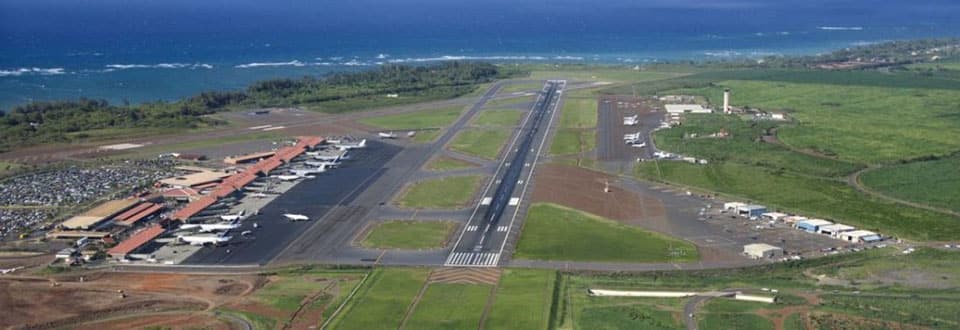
<point x="523" y="300"/>
<point x="383" y="300"/>
<point x="934" y="182"/>
<point x="450" y="306"/>
<point x="443" y="193"/>
<point x="497" y="118"/>
<point x="422" y="119"/>
<point x="522" y="87"/>
<point x="639" y="316"/>
<point x="407" y="234"/>
<point x="553" y="232"/>
<point x="725" y="321"/>
<point x="480" y="142"/>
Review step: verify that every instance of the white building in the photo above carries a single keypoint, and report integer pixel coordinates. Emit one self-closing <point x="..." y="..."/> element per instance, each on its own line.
<point x="836" y="229"/>
<point x="686" y="108"/>
<point x="860" y="236"/>
<point x="732" y="205"/>
<point x="762" y="251"/>
<point x="775" y="216"/>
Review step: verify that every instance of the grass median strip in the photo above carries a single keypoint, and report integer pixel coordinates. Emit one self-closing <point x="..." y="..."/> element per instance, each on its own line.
<point x="450" y="306"/>
<point x="408" y="234"/>
<point x="384" y="300"/>
<point x="480" y="142"/>
<point x="443" y="193"/>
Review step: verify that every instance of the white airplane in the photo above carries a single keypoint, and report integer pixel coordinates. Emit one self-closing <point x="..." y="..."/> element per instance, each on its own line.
<point x="633" y="136"/>
<point x="296" y="217"/>
<point x="630" y="121"/>
<point x="390" y="135"/>
<point x="639" y="145"/>
<point x="347" y="146"/>
<point x="323" y="163"/>
<point x="234" y="217"/>
<point x="211" y="227"/>
<point x="259" y="194"/>
<point x="201" y="240"/>
<point x="329" y="158"/>
<point x="9" y="270"/>
<point x="304" y="172"/>
<point x="661" y="154"/>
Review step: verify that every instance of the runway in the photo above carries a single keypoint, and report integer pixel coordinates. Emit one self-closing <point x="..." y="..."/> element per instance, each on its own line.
<point x="312" y="197"/>
<point x="484" y="237"/>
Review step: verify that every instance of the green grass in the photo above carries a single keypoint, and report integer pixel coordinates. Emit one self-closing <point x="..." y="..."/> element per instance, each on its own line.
<point x="258" y="322"/>
<point x="442" y="163"/>
<point x="484" y="143"/>
<point x="404" y="234"/>
<point x="450" y="306"/>
<point x="510" y="102"/>
<point x="712" y="321"/>
<point x="553" y="232"/>
<point x="384" y="299"/>
<point x="925" y="268"/>
<point x="442" y="193"/>
<point x="573" y="141"/>
<point x="497" y="118"/>
<point x="579" y="112"/>
<point x="521" y="87"/>
<point x="426" y="135"/>
<point x="523" y="300"/>
<point x="935" y="183"/>
<point x="727" y="305"/>
<point x="808" y="196"/>
<point x="743" y="145"/>
<point x="7" y="168"/>
<point x="927" y="312"/>
<point x="627" y="317"/>
<point x="286" y="292"/>
<point x="883" y="119"/>
<point x="794" y="322"/>
<point x="423" y="119"/>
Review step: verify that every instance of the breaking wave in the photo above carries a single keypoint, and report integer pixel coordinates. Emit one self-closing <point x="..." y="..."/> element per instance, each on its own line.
<point x="840" y="28"/>
<point x="32" y="71"/>
<point x="270" y="64"/>
<point x="112" y="67"/>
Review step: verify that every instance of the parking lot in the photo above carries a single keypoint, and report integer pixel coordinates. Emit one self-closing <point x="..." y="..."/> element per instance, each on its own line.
<point x="612" y="109"/>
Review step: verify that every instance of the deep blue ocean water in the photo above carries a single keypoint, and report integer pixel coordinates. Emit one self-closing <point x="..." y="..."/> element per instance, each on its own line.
<point x="142" y="50"/>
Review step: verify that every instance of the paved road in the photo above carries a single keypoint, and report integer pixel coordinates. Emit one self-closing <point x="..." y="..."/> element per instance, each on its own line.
<point x="482" y="241"/>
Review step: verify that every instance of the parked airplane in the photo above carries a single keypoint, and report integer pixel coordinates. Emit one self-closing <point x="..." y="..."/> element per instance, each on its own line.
<point x="347" y="146"/>
<point x="201" y="240"/>
<point x="630" y="121"/>
<point x="639" y="145"/>
<point x="390" y="135"/>
<point x="633" y="136"/>
<point x="304" y="172"/>
<point x="211" y="227"/>
<point x="293" y="177"/>
<point x="329" y="158"/>
<point x="234" y="217"/>
<point x="10" y="270"/>
<point x="323" y="163"/>
<point x="296" y="217"/>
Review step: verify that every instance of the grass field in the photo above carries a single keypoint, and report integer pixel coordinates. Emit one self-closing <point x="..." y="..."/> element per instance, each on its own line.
<point x="484" y="143"/>
<point x="450" y="306"/>
<point x="521" y="87"/>
<point x="442" y="163"/>
<point x="743" y="145"/>
<point x="523" y="300"/>
<point x="553" y="232"/>
<point x="497" y="118"/>
<point x="405" y="234"/>
<point x="935" y="183"/>
<point x="427" y="135"/>
<point x="925" y="268"/>
<point x="383" y="300"/>
<point x="6" y="168"/>
<point x="510" y="102"/>
<point x="860" y="123"/>
<point x="443" y="193"/>
<point x="573" y="141"/>
<point x="807" y="196"/>
<point x="578" y="122"/>
<point x="423" y="119"/>
<point x="733" y="321"/>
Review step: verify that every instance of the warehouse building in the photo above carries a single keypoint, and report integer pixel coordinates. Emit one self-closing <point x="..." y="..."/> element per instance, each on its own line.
<point x="860" y="236"/>
<point x="686" y="108"/>
<point x="732" y="205"/>
<point x="751" y="210"/>
<point x="813" y="225"/>
<point x="774" y="216"/>
<point x="762" y="251"/>
<point x="99" y="214"/>
<point x="835" y="230"/>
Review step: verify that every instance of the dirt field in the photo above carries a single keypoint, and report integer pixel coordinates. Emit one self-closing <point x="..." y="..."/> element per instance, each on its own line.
<point x="66" y="301"/>
<point x="582" y="189"/>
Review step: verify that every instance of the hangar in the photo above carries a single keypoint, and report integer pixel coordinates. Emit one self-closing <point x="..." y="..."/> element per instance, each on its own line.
<point x="860" y="236"/>
<point x="686" y="108"/>
<point x="813" y="225"/>
<point x="762" y="251"/>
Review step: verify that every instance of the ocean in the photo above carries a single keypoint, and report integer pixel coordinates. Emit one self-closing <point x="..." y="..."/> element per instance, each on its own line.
<point x="146" y="50"/>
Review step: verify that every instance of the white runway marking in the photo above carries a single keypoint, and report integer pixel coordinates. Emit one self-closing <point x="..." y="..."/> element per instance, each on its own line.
<point x="473" y="259"/>
<point x="503" y="228"/>
<point x="472" y="228"/>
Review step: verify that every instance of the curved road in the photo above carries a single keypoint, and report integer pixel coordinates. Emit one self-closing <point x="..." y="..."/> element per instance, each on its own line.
<point x="854" y="181"/>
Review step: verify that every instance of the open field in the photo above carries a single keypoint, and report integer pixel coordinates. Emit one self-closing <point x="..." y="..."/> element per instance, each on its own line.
<point x="383" y="300"/>
<point x="7" y="168"/>
<point x="406" y="234"/>
<point x="427" y="135"/>
<point x="573" y="141"/>
<point x="443" y="193"/>
<point x="807" y="196"/>
<point x="520" y="87"/>
<point x="742" y="146"/>
<point x="523" y="300"/>
<point x="450" y="306"/>
<point x="865" y="124"/>
<point x="935" y="182"/>
<point x="497" y="118"/>
<point x="510" y="102"/>
<point x="484" y="143"/>
<point x="423" y="119"/>
<point x="442" y="163"/>
<point x="578" y="122"/>
<point x="553" y="232"/>
<point x="597" y="73"/>
<point x="733" y="321"/>
<point x="923" y="269"/>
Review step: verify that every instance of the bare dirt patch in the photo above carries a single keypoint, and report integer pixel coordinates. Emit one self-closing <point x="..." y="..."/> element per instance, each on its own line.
<point x="583" y="189"/>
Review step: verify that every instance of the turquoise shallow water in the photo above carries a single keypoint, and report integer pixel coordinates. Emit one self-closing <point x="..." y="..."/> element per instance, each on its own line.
<point x="148" y="50"/>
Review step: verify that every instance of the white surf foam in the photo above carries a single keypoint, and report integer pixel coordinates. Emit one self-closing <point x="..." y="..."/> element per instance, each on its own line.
<point x="32" y="71"/>
<point x="160" y="66"/>
<point x="840" y="28"/>
<point x="270" y="64"/>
